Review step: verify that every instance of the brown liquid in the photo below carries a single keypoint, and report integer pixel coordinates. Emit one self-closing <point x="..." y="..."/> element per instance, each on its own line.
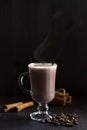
<point x="43" y="82"/>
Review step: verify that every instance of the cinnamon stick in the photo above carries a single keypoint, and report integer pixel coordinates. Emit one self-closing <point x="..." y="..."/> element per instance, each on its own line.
<point x="20" y="107"/>
<point x="8" y="107"/>
<point x="62" y="101"/>
<point x="61" y="97"/>
<point x="60" y="94"/>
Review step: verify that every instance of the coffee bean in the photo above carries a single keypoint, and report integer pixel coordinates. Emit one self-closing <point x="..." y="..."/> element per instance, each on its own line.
<point x="75" y="116"/>
<point x="69" y="115"/>
<point x="49" y="120"/>
<point x="54" y="121"/>
<point x="63" y="120"/>
<point x="43" y="121"/>
<point x="62" y="115"/>
<point x="69" y="124"/>
<point x="76" y="123"/>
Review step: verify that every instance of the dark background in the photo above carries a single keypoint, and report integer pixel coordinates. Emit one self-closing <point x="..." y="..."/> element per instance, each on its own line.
<point x="44" y="31"/>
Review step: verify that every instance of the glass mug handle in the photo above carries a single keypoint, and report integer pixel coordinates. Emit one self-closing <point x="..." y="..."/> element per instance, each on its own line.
<point x="21" y="83"/>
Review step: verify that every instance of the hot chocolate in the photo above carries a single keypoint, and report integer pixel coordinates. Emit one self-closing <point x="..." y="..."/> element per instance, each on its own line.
<point x="42" y="78"/>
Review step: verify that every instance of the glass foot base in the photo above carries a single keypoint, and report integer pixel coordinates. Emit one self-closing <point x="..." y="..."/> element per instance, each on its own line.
<point x="41" y="116"/>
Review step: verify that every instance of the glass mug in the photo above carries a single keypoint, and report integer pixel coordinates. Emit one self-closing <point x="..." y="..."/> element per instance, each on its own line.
<point x="42" y="80"/>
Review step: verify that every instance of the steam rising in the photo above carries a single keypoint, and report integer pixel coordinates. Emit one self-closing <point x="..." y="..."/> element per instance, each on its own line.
<point x="39" y="51"/>
<point x="60" y="27"/>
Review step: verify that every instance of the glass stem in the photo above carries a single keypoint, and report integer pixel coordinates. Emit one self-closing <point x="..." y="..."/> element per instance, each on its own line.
<point x="42" y="108"/>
